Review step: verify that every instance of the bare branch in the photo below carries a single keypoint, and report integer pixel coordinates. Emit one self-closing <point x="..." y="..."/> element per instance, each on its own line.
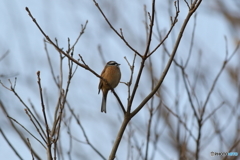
<point x="119" y="34"/>
<point x="203" y="121"/>
<point x="168" y="64"/>
<point x="84" y="133"/>
<point x="4" y="55"/>
<point x="227" y="59"/>
<point x="49" y="142"/>
<point x="80" y="34"/>
<point x="26" y="130"/>
<point x="10" y="144"/>
<point x="29" y="144"/>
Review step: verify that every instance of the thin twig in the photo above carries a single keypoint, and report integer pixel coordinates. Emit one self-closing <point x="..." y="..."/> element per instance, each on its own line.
<point x="170" y="29"/>
<point x="227" y="59"/>
<point x="31" y="150"/>
<point x="119" y="34"/>
<point x="84" y="132"/>
<point x="10" y="144"/>
<point x="130" y="80"/>
<point x="4" y="55"/>
<point x="14" y="120"/>
<point x="80" y="34"/>
<point x="49" y="142"/>
<point x="192" y="40"/>
<point x="207" y="117"/>
<point x="17" y="130"/>
<point x="148" y="132"/>
<point x="149" y="39"/>
<point x="184" y="76"/>
<point x="35" y="125"/>
<point x="180" y="120"/>
<point x="50" y="63"/>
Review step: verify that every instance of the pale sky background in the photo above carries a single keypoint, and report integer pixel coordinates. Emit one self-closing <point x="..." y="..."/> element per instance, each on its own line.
<point x="63" y="19"/>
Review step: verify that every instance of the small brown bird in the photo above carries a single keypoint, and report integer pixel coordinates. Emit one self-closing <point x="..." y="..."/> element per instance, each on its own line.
<point x="112" y="74"/>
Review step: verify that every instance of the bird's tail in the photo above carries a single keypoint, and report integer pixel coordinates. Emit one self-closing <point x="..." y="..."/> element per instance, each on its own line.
<point x="104" y="101"/>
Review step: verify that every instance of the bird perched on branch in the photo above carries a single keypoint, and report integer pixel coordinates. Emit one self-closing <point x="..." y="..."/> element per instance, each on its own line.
<point x="112" y="74"/>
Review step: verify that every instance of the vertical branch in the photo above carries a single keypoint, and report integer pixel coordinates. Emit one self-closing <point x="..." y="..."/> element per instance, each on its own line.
<point x="118" y="139"/>
<point x="144" y="57"/>
<point x="131" y="78"/>
<point x="148" y="132"/>
<point x="200" y="119"/>
<point x="49" y="142"/>
<point x="31" y="150"/>
<point x="192" y="41"/>
<point x="150" y="29"/>
<point x="127" y="116"/>
<point x="150" y="109"/>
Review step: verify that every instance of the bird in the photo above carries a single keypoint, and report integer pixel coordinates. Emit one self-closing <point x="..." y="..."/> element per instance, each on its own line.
<point x="112" y="74"/>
